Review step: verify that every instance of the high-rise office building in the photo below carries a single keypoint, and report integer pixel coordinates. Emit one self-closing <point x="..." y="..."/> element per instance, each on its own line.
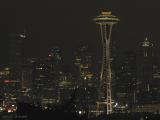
<point x="46" y="73"/>
<point x="86" y="85"/>
<point x="126" y="82"/>
<point x="43" y="85"/>
<point x="155" y="85"/>
<point x="65" y="88"/>
<point x="16" y="55"/>
<point x="26" y="81"/>
<point x="13" y="84"/>
<point x="4" y="75"/>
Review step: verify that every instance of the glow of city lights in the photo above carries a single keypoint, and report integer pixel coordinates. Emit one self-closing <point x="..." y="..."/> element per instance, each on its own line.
<point x="50" y="55"/>
<point x="1" y="109"/>
<point x="7" y="81"/>
<point x="9" y="110"/>
<point x="22" y="36"/>
<point x="80" y="112"/>
<point x="116" y="104"/>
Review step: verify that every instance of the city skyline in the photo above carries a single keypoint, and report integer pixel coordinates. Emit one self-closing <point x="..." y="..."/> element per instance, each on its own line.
<point x="55" y="59"/>
<point x="61" y="23"/>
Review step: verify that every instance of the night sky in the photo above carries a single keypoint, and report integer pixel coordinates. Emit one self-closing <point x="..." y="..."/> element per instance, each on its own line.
<point x="69" y="24"/>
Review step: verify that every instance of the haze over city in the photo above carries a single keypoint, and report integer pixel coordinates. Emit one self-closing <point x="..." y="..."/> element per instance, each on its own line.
<point x="61" y="23"/>
<point x="80" y="60"/>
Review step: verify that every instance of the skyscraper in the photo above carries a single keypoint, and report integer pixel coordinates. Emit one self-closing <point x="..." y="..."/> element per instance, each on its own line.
<point x="46" y="76"/>
<point x="14" y="84"/>
<point x="16" y="54"/>
<point x="86" y="85"/>
<point x="126" y="82"/>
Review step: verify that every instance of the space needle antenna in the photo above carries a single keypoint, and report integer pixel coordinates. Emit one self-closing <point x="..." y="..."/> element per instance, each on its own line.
<point x="106" y="21"/>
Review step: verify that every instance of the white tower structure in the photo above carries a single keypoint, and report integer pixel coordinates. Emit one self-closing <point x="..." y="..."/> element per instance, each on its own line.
<point x="106" y="21"/>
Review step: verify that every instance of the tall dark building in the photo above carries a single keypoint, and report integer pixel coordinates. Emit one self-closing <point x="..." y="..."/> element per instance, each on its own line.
<point x="43" y="84"/>
<point x="155" y="85"/>
<point x="14" y="84"/>
<point x="86" y="84"/>
<point x="16" y="55"/>
<point x="65" y="87"/>
<point x="26" y="81"/>
<point x="55" y="56"/>
<point x="126" y="80"/>
<point x="46" y="73"/>
<point x="8" y="90"/>
<point x="4" y="75"/>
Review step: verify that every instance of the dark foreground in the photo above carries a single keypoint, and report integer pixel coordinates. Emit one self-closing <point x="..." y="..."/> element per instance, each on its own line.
<point x="27" y="111"/>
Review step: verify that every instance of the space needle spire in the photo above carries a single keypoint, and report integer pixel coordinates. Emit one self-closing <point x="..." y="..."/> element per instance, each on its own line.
<point x="106" y="21"/>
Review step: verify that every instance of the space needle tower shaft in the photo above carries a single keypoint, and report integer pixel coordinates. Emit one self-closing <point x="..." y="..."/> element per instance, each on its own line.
<point x="106" y="21"/>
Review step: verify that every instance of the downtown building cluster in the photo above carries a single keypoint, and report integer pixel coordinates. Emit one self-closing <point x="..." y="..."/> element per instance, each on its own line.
<point x="136" y="82"/>
<point x="38" y="81"/>
<point x="44" y="82"/>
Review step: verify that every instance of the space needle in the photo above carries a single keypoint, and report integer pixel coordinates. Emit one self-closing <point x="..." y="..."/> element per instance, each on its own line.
<point x="106" y="21"/>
